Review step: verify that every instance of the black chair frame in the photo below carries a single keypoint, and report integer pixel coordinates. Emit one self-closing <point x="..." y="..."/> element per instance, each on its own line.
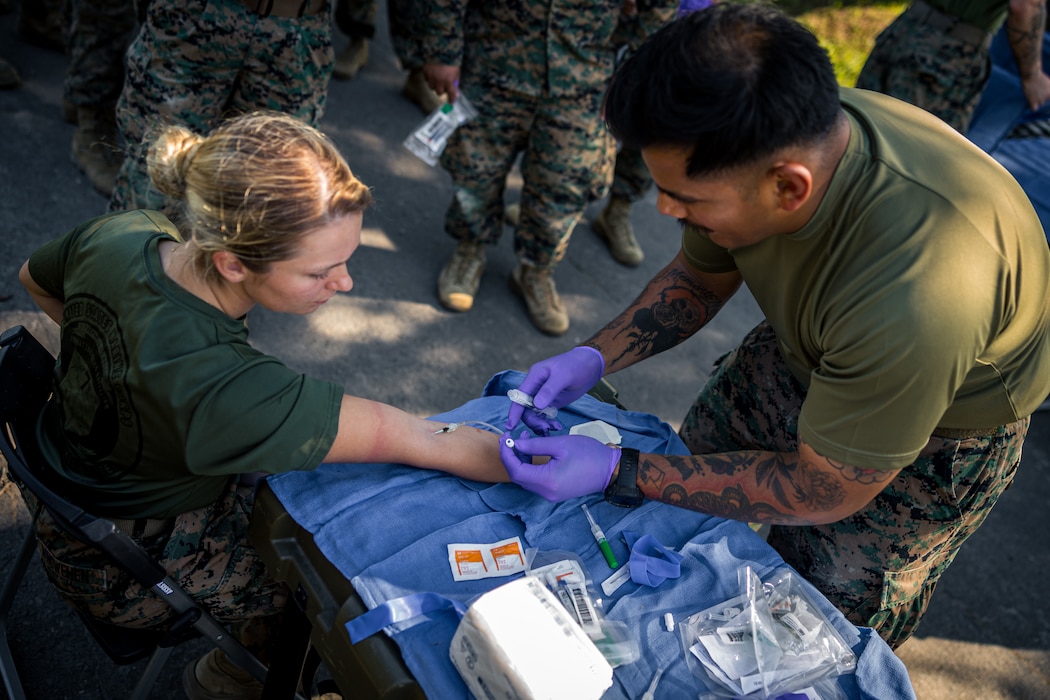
<point x="26" y="371"/>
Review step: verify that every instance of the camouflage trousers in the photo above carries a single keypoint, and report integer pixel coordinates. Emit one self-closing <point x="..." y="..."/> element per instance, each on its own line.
<point x="631" y="178"/>
<point x="99" y="34"/>
<point x="357" y="19"/>
<point x="916" y="60"/>
<point x="206" y="551"/>
<point x="881" y="565"/>
<point x="567" y="163"/>
<point x="44" y="23"/>
<point x="196" y="62"/>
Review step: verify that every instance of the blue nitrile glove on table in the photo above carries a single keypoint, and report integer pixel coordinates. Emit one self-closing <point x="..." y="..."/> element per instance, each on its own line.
<point x="578" y="466"/>
<point x="558" y="381"/>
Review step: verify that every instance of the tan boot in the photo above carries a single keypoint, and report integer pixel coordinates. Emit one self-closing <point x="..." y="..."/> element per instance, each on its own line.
<point x="214" y="677"/>
<point x="459" y="280"/>
<point x="614" y="225"/>
<point x="419" y="93"/>
<point x="352" y="59"/>
<point x="95" y="149"/>
<point x="536" y="286"/>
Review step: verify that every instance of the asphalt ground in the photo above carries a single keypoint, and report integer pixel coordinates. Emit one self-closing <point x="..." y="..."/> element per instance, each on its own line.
<point x="987" y="632"/>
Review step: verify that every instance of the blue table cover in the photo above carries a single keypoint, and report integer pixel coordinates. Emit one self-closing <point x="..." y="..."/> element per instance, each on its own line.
<point x="386" y="527"/>
<point x="1002" y="107"/>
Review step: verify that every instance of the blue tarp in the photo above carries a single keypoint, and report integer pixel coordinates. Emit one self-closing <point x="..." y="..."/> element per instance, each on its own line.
<point x="386" y="527"/>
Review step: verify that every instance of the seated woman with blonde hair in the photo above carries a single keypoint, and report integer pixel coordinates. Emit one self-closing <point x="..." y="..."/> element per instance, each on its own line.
<point x="160" y="403"/>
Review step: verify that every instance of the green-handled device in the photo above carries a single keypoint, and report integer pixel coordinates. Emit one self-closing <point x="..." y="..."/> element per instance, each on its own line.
<point x="599" y="536"/>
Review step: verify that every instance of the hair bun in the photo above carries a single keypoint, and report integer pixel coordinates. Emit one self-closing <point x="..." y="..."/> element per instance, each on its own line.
<point x="170" y="158"/>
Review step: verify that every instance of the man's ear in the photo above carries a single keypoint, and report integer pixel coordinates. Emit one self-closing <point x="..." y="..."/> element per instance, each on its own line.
<point x="229" y="266"/>
<point x="794" y="184"/>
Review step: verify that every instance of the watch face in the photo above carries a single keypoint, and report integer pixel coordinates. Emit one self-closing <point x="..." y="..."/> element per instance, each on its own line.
<point x="624" y="492"/>
<point x="625" y="498"/>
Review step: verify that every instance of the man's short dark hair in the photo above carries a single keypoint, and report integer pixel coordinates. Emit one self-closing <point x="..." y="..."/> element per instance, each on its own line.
<point x="733" y="83"/>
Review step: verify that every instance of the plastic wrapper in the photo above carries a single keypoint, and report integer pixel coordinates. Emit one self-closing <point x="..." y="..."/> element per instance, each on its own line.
<point x="770" y="641"/>
<point x="565" y="576"/>
<point x="428" y="140"/>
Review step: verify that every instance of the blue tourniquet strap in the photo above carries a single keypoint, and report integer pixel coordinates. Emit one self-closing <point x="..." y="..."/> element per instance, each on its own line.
<point x="651" y="563"/>
<point x="400" y="610"/>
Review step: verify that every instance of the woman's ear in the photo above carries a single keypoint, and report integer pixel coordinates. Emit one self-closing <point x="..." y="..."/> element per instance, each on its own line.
<point x="794" y="185"/>
<point x="229" y="266"/>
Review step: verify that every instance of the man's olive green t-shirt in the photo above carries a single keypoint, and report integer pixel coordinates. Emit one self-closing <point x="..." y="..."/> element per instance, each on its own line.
<point x="159" y="397"/>
<point x="916" y="297"/>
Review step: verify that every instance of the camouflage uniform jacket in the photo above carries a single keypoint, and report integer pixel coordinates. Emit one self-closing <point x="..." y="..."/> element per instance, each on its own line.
<point x="536" y="47"/>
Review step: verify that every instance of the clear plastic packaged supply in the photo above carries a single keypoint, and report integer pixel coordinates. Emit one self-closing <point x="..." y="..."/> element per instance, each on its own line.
<point x="565" y="576"/>
<point x="428" y="140"/>
<point x="768" y="641"/>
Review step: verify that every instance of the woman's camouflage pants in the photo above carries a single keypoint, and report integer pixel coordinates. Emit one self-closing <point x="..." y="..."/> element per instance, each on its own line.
<point x="207" y="552"/>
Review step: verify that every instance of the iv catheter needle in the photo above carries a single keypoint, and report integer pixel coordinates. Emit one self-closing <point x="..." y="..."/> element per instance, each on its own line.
<point x="599" y="537"/>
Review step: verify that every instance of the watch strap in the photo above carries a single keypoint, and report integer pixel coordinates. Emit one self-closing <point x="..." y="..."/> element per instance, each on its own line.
<point x="623" y="490"/>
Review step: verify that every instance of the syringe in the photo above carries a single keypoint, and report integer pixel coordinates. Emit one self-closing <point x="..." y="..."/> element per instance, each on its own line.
<point x="523" y="399"/>
<point x="599" y="536"/>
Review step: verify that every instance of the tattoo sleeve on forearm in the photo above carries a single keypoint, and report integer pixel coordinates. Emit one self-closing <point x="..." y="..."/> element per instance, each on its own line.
<point x="682" y="309"/>
<point x="798" y="483"/>
<point x="1027" y="43"/>
<point x="861" y="476"/>
<point x="732" y="503"/>
<point x="796" y="488"/>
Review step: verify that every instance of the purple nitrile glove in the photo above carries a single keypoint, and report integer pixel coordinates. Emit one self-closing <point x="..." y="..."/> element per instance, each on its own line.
<point x="578" y="466"/>
<point x="559" y="380"/>
<point x="540" y="424"/>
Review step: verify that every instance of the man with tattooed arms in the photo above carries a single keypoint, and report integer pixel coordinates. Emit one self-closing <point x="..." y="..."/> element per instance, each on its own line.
<point x="877" y="413"/>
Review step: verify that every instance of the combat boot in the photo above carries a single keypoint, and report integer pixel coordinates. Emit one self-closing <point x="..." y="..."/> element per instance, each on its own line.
<point x="536" y="286"/>
<point x="352" y="59"/>
<point x="459" y="280"/>
<point x="213" y="677"/>
<point x="419" y="93"/>
<point x="95" y="149"/>
<point x="614" y="225"/>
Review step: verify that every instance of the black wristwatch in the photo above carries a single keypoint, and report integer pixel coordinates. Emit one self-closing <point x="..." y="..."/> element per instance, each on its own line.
<point x="624" y="491"/>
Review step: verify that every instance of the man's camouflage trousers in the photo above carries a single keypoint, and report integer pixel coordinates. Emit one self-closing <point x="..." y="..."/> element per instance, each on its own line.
<point x="881" y="565"/>
<point x="196" y="63"/>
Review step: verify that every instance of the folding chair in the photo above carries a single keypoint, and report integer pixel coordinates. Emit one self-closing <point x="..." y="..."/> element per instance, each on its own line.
<point x="26" y="371"/>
